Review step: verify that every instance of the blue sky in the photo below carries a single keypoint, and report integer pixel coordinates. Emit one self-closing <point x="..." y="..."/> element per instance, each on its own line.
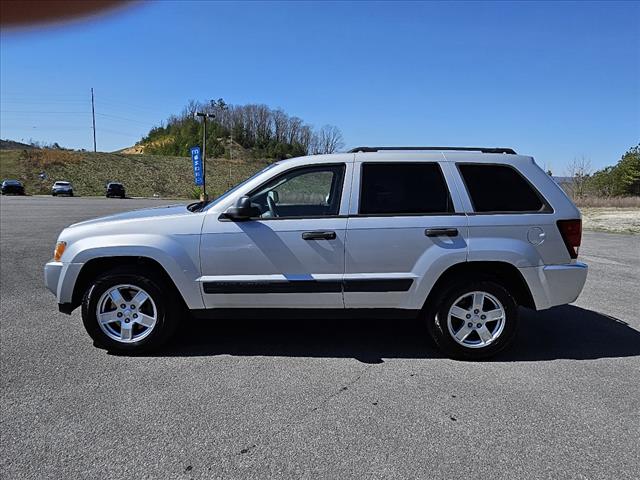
<point x="554" y="80"/>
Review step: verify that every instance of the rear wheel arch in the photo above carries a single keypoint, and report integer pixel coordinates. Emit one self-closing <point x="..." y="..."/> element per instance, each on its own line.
<point x="503" y="273"/>
<point x="101" y="265"/>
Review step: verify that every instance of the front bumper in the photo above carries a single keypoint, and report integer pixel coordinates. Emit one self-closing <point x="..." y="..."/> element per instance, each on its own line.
<point x="553" y="285"/>
<point x="60" y="279"/>
<point x="52" y="271"/>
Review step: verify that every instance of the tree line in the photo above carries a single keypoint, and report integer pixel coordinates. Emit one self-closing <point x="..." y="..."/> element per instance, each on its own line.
<point x="264" y="131"/>
<point x="622" y="179"/>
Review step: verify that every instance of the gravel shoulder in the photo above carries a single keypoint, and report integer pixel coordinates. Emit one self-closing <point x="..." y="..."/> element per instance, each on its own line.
<point x="614" y="220"/>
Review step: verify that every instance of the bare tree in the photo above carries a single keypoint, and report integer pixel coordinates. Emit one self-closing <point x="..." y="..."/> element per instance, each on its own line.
<point x="280" y="125"/>
<point x="191" y="108"/>
<point x="578" y="172"/>
<point x="329" y="139"/>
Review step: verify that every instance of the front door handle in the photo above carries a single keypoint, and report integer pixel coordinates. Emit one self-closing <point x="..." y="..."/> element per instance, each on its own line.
<point x="319" y="235"/>
<point x="441" y="232"/>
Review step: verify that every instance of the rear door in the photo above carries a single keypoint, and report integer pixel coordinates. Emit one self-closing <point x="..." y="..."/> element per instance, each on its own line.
<point x="404" y="224"/>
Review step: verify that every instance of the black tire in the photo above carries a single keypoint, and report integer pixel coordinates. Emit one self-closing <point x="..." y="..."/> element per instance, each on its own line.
<point x="437" y="320"/>
<point x="53" y="194"/>
<point x="163" y="296"/>
<point x="71" y="194"/>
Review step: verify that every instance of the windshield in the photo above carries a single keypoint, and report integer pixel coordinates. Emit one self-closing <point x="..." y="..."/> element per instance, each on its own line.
<point x="233" y="189"/>
<point x="62" y="184"/>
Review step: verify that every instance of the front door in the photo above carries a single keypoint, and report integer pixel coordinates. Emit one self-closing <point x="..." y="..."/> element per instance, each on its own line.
<point x="292" y="255"/>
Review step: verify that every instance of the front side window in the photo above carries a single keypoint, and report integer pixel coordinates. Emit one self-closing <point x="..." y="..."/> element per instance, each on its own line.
<point x="301" y="192"/>
<point x="403" y="189"/>
<point x="500" y="189"/>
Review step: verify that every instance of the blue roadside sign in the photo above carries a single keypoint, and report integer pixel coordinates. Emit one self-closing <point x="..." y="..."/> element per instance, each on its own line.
<point x="196" y="158"/>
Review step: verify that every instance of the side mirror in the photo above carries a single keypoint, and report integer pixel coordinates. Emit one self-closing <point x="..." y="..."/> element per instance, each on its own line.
<point x="242" y="210"/>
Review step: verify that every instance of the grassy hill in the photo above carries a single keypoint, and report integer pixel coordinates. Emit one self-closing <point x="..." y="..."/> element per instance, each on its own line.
<point x="142" y="175"/>
<point x="13" y="145"/>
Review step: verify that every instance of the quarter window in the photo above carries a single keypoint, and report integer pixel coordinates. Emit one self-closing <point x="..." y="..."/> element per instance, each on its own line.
<point x="500" y="188"/>
<point x="404" y="189"/>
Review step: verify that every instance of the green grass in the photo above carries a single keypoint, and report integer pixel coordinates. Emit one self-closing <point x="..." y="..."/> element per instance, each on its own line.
<point x="142" y="175"/>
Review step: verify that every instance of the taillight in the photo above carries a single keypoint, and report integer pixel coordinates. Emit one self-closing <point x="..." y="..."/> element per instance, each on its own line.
<point x="571" y="231"/>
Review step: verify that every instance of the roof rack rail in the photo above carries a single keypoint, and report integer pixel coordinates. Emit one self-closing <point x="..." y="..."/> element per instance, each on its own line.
<point x="509" y="151"/>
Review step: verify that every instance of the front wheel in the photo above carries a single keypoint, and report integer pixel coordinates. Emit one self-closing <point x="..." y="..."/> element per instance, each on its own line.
<point x="473" y="321"/>
<point x="129" y="311"/>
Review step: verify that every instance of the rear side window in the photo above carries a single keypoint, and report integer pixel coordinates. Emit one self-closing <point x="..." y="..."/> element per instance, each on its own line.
<point x="500" y="188"/>
<point x="403" y="188"/>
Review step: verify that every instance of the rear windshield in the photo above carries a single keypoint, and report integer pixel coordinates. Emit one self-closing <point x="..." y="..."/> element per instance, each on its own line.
<point x="62" y="184"/>
<point x="500" y="189"/>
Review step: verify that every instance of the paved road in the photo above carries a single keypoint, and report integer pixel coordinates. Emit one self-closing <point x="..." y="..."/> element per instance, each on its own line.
<point x="299" y="399"/>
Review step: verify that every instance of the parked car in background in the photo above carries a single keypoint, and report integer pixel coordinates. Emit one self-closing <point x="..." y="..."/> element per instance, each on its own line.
<point x="115" y="189"/>
<point x="457" y="238"/>
<point x="62" y="188"/>
<point x="14" y="187"/>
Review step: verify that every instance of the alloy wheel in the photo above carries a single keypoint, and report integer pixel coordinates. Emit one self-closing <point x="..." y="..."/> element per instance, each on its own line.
<point x="126" y="313"/>
<point x="476" y="319"/>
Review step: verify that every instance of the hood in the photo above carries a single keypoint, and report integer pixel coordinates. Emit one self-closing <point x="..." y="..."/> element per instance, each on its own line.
<point x="165" y="211"/>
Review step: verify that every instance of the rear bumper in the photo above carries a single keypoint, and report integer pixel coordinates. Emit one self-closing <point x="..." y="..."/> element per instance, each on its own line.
<point x="553" y="285"/>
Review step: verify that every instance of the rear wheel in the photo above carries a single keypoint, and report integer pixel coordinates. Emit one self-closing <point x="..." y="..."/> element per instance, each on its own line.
<point x="474" y="320"/>
<point x="127" y="310"/>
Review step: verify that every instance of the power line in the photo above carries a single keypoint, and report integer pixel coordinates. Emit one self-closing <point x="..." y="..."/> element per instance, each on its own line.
<point x="129" y="105"/>
<point x="41" y="112"/>
<point x="37" y="102"/>
<point x="118" y="133"/>
<point x="116" y="117"/>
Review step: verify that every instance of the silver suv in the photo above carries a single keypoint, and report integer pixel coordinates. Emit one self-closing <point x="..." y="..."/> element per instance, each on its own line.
<point x="455" y="237"/>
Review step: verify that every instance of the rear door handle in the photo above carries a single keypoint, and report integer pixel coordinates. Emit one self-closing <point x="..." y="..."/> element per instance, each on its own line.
<point x="319" y="235"/>
<point x="441" y="232"/>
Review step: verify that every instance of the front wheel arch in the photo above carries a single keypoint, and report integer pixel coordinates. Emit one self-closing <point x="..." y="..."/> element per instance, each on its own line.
<point x="97" y="266"/>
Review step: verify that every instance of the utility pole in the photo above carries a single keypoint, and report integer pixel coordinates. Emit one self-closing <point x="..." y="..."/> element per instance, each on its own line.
<point x="93" y="112"/>
<point x="224" y="107"/>
<point x="204" y="197"/>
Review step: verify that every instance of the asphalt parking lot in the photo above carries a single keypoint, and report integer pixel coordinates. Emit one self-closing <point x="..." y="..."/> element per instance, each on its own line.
<point x="321" y="399"/>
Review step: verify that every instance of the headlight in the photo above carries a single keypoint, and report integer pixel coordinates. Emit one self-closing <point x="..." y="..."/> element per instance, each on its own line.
<point x="59" y="250"/>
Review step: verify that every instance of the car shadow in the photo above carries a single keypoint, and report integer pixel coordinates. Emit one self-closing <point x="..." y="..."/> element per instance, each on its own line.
<point x="566" y="332"/>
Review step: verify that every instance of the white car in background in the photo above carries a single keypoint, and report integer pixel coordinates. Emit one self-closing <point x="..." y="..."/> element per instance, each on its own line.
<point x="458" y="238"/>
<point x="62" y="188"/>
